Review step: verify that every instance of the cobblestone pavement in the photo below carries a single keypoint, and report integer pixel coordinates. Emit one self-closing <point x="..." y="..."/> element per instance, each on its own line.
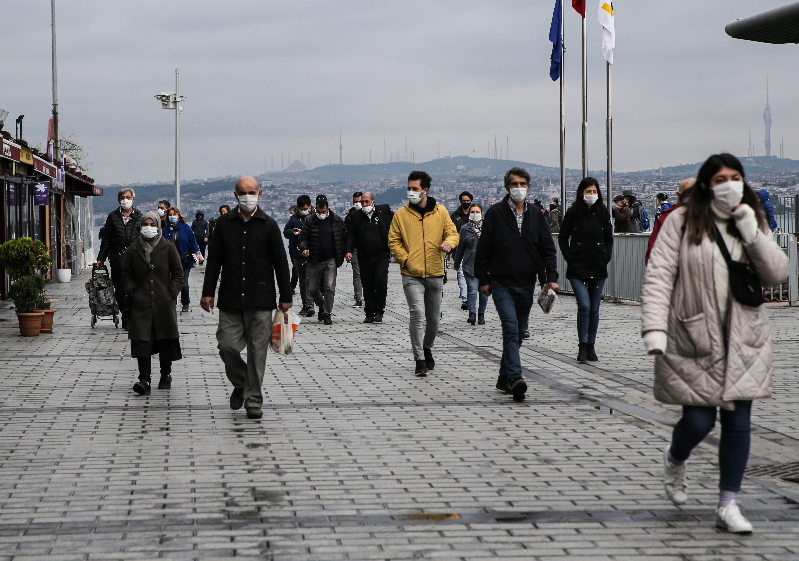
<point x="355" y="458"/>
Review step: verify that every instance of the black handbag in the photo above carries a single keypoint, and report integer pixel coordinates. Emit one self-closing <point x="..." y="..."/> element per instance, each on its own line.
<point x="745" y="285"/>
<point x="187" y="257"/>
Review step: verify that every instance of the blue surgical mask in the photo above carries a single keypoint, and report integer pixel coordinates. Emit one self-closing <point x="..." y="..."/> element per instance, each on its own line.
<point x="173" y="219"/>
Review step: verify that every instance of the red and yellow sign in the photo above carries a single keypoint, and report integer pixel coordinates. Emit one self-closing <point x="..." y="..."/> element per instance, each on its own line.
<point x="25" y="156"/>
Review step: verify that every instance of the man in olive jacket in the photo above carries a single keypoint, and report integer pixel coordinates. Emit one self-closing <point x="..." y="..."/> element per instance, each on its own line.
<point x="421" y="234"/>
<point x="247" y="249"/>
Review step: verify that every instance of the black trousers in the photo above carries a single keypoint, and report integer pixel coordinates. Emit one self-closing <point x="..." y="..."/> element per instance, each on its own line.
<point x="202" y="244"/>
<point x="119" y="288"/>
<point x="145" y="366"/>
<point x="374" y="278"/>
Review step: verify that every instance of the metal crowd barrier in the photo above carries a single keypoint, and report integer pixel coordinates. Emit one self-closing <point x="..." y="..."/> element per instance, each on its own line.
<point x="627" y="268"/>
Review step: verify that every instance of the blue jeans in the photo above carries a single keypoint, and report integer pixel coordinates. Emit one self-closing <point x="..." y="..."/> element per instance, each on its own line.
<point x="696" y="424"/>
<point x="184" y="292"/>
<point x="473" y="293"/>
<point x="462" y="285"/>
<point x="589" y="295"/>
<point x="513" y="305"/>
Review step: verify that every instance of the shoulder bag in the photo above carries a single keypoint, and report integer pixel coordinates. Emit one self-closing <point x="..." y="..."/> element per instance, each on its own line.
<point x="186" y="258"/>
<point x="744" y="283"/>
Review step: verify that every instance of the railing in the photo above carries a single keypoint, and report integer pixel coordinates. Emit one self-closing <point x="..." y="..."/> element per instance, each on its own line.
<point x="627" y="268"/>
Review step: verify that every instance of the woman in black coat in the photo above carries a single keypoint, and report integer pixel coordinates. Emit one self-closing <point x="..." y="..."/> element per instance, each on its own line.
<point x="153" y="277"/>
<point x="586" y="242"/>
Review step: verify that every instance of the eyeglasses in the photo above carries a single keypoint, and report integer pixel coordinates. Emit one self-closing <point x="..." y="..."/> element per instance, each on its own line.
<point x="519" y="184"/>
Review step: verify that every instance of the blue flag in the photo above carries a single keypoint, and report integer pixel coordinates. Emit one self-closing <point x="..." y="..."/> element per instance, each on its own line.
<point x="556" y="37"/>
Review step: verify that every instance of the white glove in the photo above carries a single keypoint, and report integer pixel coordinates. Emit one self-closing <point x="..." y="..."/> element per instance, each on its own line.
<point x="655" y="341"/>
<point x="746" y="222"/>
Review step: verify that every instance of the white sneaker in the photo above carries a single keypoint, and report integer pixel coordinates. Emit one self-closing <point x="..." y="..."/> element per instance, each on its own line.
<point x="674" y="480"/>
<point x="730" y="518"/>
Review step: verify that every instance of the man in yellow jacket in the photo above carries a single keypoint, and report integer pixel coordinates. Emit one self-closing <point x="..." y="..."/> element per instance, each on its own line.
<point x="421" y="234"/>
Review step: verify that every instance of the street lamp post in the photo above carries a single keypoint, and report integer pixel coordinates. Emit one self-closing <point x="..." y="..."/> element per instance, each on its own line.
<point x="171" y="100"/>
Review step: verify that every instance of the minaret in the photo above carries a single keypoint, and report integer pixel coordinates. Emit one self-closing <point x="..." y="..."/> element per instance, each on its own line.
<point x="340" y="148"/>
<point x="767" y="119"/>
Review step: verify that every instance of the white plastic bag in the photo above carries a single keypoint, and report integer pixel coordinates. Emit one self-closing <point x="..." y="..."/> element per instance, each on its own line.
<point x="284" y="325"/>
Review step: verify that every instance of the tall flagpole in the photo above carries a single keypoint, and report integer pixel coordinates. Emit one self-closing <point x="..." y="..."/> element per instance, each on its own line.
<point x="585" y="99"/>
<point x="609" y="141"/>
<point x="562" y="114"/>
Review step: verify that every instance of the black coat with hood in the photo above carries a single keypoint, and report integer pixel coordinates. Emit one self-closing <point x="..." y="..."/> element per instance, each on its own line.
<point x="309" y="237"/>
<point x="586" y="241"/>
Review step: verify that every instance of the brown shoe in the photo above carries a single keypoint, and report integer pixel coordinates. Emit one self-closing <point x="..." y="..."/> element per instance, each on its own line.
<point x="254" y="413"/>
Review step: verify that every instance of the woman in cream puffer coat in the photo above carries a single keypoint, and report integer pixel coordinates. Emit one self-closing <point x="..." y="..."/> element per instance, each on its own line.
<point x="711" y="350"/>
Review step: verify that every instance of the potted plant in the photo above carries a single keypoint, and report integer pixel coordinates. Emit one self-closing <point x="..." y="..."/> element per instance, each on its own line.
<point x="43" y="305"/>
<point x="25" y="292"/>
<point x="24" y="258"/>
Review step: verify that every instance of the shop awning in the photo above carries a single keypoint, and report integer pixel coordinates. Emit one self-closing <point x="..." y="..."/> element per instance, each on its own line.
<point x="777" y="26"/>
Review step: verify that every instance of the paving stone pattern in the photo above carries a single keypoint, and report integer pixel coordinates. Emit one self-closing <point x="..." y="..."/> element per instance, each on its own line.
<point x="355" y="458"/>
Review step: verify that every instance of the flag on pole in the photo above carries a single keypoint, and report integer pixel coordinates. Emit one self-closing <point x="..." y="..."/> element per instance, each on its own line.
<point x="609" y="32"/>
<point x="556" y="36"/>
<point x="579" y="5"/>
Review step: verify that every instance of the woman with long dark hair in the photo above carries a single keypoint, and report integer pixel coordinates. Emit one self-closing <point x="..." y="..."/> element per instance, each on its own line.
<point x="704" y="320"/>
<point x="586" y="242"/>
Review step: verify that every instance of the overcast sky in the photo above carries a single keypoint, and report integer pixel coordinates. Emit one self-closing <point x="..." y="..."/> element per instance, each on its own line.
<point x="265" y="78"/>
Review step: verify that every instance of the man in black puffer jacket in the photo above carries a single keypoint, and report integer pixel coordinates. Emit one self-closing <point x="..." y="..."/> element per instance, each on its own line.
<point x="122" y="227"/>
<point x="323" y="241"/>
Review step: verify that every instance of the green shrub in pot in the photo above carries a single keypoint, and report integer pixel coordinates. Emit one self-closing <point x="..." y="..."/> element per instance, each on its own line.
<point x="25" y="293"/>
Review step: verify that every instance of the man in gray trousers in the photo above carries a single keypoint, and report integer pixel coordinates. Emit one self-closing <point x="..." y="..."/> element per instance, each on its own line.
<point x="247" y="249"/>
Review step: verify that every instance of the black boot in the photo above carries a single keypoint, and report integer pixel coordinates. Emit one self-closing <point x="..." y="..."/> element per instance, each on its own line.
<point x="582" y="353"/>
<point x="165" y="383"/>
<point x="472" y="318"/>
<point x="481" y="319"/>
<point x="590" y="352"/>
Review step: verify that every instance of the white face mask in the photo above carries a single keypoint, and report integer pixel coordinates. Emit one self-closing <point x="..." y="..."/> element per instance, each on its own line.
<point x="305" y="212"/>
<point x="727" y="196"/>
<point x="475" y="217"/>
<point x="321" y="216"/>
<point x="247" y="203"/>
<point x="126" y="204"/>
<point x="368" y="209"/>
<point x="357" y="206"/>
<point x="590" y="199"/>
<point x="415" y="197"/>
<point x="161" y="212"/>
<point x="149" y="232"/>
<point x="517" y="194"/>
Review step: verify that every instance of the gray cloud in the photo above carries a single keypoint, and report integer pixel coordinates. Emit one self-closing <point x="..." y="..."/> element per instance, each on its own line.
<point x="265" y="78"/>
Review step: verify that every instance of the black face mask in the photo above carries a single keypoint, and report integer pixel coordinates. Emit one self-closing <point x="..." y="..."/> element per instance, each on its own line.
<point x="465" y="206"/>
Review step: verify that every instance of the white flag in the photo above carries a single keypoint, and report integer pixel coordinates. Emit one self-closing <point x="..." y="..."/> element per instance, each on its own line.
<point x="609" y="32"/>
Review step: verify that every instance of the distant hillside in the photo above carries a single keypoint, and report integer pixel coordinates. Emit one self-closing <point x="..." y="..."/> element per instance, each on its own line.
<point x="759" y="164"/>
<point x="442" y="167"/>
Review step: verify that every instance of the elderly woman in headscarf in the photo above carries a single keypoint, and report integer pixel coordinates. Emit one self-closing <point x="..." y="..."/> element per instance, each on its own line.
<point x="153" y="276"/>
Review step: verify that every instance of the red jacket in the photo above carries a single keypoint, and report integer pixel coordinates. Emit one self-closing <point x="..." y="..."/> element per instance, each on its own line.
<point x="656" y="229"/>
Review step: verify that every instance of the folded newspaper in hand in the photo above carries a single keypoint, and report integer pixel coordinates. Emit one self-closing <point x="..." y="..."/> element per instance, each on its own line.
<point x="547" y="300"/>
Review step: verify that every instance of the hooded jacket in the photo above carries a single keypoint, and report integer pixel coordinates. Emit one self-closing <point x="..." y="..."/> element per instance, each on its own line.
<point x="768" y="208"/>
<point x="707" y="361"/>
<point x="415" y="239"/>
<point x="309" y="237"/>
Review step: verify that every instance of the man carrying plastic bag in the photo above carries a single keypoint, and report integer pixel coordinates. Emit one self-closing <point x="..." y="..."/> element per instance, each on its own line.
<point x="247" y="249"/>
